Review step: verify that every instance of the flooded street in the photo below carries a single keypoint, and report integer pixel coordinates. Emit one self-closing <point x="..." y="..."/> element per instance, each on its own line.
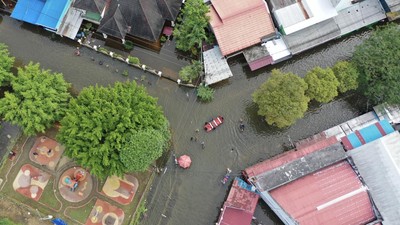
<point x="194" y="196"/>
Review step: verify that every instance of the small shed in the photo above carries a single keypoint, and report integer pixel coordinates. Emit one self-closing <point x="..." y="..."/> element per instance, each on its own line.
<point x="216" y="67"/>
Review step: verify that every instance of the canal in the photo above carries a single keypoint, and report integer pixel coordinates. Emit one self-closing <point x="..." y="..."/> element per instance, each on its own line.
<point x="194" y="196"/>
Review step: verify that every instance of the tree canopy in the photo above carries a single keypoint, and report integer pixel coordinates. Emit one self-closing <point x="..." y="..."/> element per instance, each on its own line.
<point x="190" y="31"/>
<point x="281" y="99"/>
<point x="6" y="63"/>
<point x="377" y="60"/>
<point x="322" y="84"/>
<point x="347" y="75"/>
<point x="191" y="72"/>
<point x="103" y="123"/>
<point x="38" y="99"/>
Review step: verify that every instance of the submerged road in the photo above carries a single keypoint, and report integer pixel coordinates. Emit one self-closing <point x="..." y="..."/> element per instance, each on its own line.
<point x="194" y="196"/>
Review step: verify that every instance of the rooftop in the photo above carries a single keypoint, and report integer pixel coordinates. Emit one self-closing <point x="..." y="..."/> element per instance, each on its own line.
<point x="216" y="67"/>
<point x="379" y="164"/>
<point x="239" y="24"/>
<point x="239" y="207"/>
<point x="333" y="195"/>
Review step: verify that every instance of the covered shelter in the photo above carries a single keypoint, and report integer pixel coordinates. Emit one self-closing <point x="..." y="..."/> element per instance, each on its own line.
<point x="47" y="14"/>
<point x="216" y="67"/>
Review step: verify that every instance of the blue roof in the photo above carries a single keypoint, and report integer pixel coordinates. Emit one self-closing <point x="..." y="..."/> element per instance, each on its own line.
<point x="28" y="11"/>
<point x="59" y="221"/>
<point x="368" y="134"/>
<point x="40" y="12"/>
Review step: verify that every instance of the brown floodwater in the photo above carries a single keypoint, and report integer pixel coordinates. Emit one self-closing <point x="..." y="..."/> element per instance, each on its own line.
<point x="194" y="196"/>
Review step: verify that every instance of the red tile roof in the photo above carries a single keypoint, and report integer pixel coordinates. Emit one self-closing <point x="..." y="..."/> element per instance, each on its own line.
<point x="239" y="206"/>
<point x="288" y="156"/>
<point x="333" y="195"/>
<point x="239" y="24"/>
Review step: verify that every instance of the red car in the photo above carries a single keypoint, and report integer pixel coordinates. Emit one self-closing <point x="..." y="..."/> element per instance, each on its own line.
<point x="214" y="123"/>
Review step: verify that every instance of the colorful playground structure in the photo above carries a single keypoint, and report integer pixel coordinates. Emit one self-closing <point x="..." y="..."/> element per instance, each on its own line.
<point x="74" y="182"/>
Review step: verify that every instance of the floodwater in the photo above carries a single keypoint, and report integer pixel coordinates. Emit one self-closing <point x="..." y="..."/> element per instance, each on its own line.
<point x="194" y="196"/>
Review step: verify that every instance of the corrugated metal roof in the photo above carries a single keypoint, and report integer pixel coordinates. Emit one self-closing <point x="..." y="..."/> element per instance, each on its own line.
<point x="241" y="30"/>
<point x="379" y="164"/>
<point x="388" y="112"/>
<point x="239" y="206"/>
<point x="312" y="36"/>
<point x="287" y="157"/>
<point x="359" y="15"/>
<point x="331" y="196"/>
<point x="71" y="23"/>
<point x="367" y="134"/>
<point x="216" y="67"/>
<point x="299" y="168"/>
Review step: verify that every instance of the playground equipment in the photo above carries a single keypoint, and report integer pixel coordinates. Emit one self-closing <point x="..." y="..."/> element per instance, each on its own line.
<point x="73" y="183"/>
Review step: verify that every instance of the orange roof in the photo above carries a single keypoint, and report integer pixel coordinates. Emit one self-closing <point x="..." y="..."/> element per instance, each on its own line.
<point x="239" y="24"/>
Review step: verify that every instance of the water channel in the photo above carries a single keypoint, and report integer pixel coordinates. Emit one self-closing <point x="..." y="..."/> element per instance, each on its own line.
<point x="194" y="196"/>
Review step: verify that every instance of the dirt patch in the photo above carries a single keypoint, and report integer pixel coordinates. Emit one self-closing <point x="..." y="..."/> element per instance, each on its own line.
<point x="19" y="213"/>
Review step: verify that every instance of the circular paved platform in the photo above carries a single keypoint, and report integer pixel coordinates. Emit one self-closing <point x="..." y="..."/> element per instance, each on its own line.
<point x="75" y="184"/>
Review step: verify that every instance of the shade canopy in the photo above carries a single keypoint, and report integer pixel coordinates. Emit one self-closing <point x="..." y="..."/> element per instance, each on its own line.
<point x="184" y="161"/>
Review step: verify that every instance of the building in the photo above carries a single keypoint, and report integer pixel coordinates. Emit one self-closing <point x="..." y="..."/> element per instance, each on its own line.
<point x="348" y="174"/>
<point x="239" y="207"/>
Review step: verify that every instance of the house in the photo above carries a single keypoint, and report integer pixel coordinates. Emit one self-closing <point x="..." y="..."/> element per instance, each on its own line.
<point x="142" y="20"/>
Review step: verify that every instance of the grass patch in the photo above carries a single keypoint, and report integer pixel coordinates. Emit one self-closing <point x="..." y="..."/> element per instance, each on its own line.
<point x="139" y="212"/>
<point x="48" y="197"/>
<point x="81" y="214"/>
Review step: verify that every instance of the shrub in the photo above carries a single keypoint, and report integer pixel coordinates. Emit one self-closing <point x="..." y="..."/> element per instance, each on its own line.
<point x="125" y="73"/>
<point x="191" y="72"/>
<point x="134" y="60"/>
<point x="128" y="45"/>
<point x="205" y="93"/>
<point x="163" y="39"/>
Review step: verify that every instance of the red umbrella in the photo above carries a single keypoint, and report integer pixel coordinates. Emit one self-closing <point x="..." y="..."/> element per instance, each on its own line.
<point x="184" y="161"/>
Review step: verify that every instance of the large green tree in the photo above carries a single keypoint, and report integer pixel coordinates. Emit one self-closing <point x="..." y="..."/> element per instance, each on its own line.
<point x="38" y="99"/>
<point x="102" y="123"/>
<point x="190" y="31"/>
<point x="6" y="63"/>
<point x="281" y="99"/>
<point x="378" y="62"/>
<point x="347" y="75"/>
<point x="322" y="84"/>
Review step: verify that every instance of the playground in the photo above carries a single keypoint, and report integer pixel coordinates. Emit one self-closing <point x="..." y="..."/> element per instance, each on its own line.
<point x="44" y="184"/>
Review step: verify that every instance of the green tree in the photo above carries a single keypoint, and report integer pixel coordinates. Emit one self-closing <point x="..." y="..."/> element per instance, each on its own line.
<point x="205" y="93"/>
<point x="191" y="72"/>
<point x="141" y="149"/>
<point x="6" y="63"/>
<point x="322" y="84"/>
<point x="377" y="60"/>
<point x="101" y="123"/>
<point x="39" y="98"/>
<point x="347" y="75"/>
<point x="190" y="31"/>
<point x="281" y="99"/>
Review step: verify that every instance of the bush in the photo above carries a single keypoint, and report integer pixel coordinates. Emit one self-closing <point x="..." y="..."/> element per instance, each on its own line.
<point x="104" y="50"/>
<point x="205" y="93"/>
<point x="125" y="73"/>
<point x="163" y="39"/>
<point x="191" y="72"/>
<point x="134" y="60"/>
<point x="128" y="45"/>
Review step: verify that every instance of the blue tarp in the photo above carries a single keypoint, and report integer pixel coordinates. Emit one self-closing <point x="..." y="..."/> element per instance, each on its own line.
<point x="244" y="185"/>
<point x="40" y="12"/>
<point x="59" y="221"/>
